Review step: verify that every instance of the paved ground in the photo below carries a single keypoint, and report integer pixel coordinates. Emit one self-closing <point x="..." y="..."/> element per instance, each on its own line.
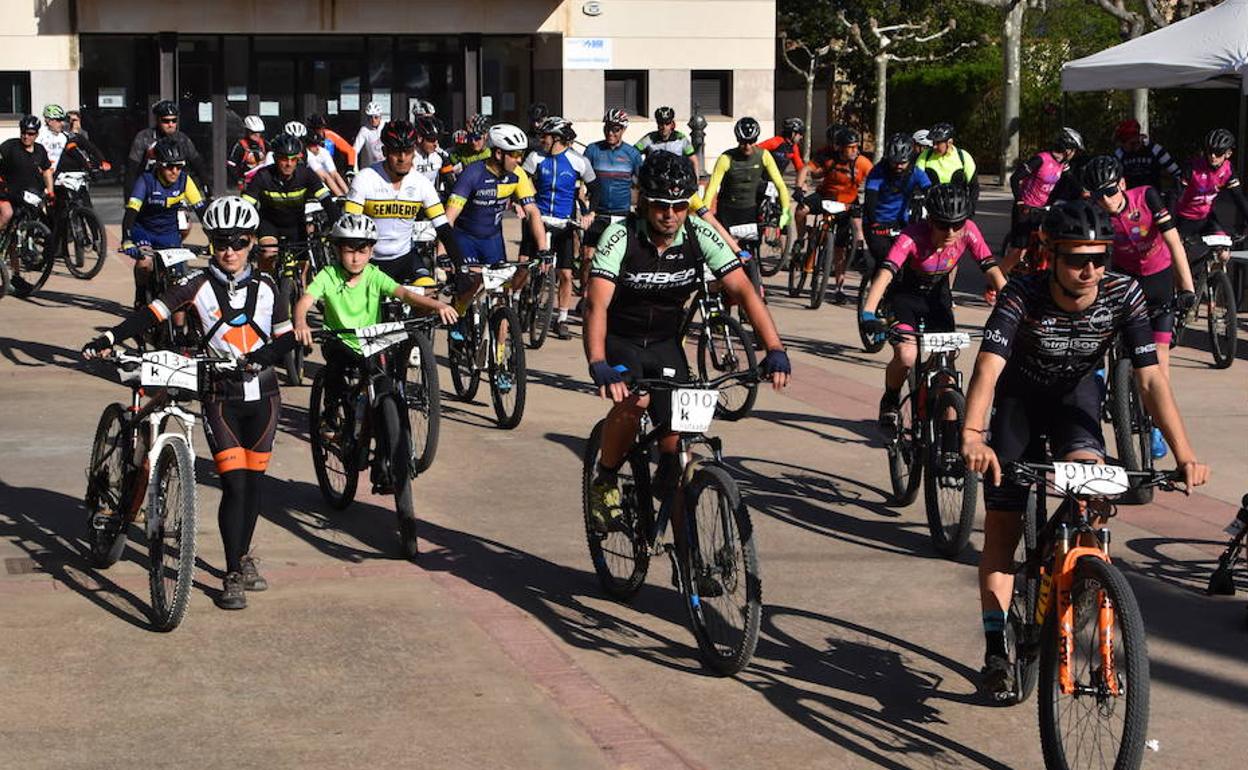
<point x="498" y="649"/>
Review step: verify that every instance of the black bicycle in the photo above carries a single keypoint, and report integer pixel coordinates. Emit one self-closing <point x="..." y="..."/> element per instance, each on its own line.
<point x="297" y="261"/>
<point x="724" y="346"/>
<point x="170" y="266"/>
<point x="1215" y="296"/>
<point x="1222" y="581"/>
<point x="774" y="241"/>
<point x="536" y="304"/>
<point x="1123" y="408"/>
<point x="832" y="224"/>
<point x="873" y="342"/>
<point x="76" y="229"/>
<point x="713" y="553"/>
<point x="418" y="367"/>
<point x="491" y="342"/>
<point x="23" y="246"/>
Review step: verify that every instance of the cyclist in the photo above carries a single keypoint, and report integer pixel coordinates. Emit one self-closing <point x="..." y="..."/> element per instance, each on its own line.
<point x="24" y="167"/>
<point x="841" y="170"/>
<point x="473" y="148"/>
<point x="248" y="152"/>
<point x="891" y="189"/>
<point x="367" y="143"/>
<point x="645" y="269"/>
<point x="735" y="187"/>
<point x="1142" y="159"/>
<point x="538" y="112"/>
<point x="615" y="164"/>
<point x="923" y="256"/>
<point x="141" y="159"/>
<point x="1033" y="184"/>
<point x="52" y="134"/>
<point x="318" y="158"/>
<point x="279" y="192"/>
<point x="393" y="196"/>
<point x="333" y="141"/>
<point x="1208" y="176"/>
<point x="430" y="161"/>
<point x="666" y="137"/>
<point x="241" y="319"/>
<point x="786" y="148"/>
<point x="559" y="176"/>
<point x="946" y="163"/>
<point x="1046" y="335"/>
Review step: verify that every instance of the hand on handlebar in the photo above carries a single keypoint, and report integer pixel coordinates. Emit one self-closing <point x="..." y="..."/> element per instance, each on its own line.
<point x="100" y="347"/>
<point x="447" y="313"/>
<point x="1184" y="301"/>
<point x="610" y="381"/>
<point x="979" y="457"/>
<point x="776" y="365"/>
<point x="1195" y="474"/>
<point x="303" y="333"/>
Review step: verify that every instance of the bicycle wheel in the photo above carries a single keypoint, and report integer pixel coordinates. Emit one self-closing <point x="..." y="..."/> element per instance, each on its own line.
<point x="543" y="307"/>
<point x="871" y="343"/>
<point x="797" y="274"/>
<point x="396" y="447"/>
<point x="292" y="364"/>
<point x="950" y="488"/>
<point x="506" y="365"/>
<point x="4" y="277"/>
<point x="1103" y="722"/>
<point x="34" y="264"/>
<point x="823" y="270"/>
<point x="725" y="346"/>
<point x="424" y="402"/>
<point x="105" y="500"/>
<point x="1222" y="320"/>
<point x="1134" y="442"/>
<point x="171" y="546"/>
<point x="333" y="458"/>
<point x="771" y="251"/>
<point x="88" y="243"/>
<point x="465" y="376"/>
<point x="720" y="577"/>
<point x="620" y="557"/>
<point x="904" y="469"/>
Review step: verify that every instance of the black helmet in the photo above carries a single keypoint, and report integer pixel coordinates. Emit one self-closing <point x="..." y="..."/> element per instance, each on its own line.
<point x="165" y="109"/>
<point x="899" y="149"/>
<point x="846" y="136"/>
<point x="168" y="152"/>
<point x="1068" y="139"/>
<point x="286" y="146"/>
<point x="949" y="203"/>
<point x="792" y="126"/>
<point x="1219" y="141"/>
<point x="28" y="123"/>
<point x="831" y="131"/>
<point x="427" y="127"/>
<point x="537" y="111"/>
<point x="747" y="130"/>
<point x="316" y="122"/>
<point x="398" y="135"/>
<point x="1079" y="221"/>
<point x="665" y="115"/>
<point x="1100" y="172"/>
<point x="941" y="132"/>
<point x="666" y="177"/>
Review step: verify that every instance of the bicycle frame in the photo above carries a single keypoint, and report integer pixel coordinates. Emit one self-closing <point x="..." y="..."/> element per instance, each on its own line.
<point x="157" y="441"/>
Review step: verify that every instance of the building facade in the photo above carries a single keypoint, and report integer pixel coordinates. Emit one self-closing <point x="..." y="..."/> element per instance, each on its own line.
<point x="225" y="59"/>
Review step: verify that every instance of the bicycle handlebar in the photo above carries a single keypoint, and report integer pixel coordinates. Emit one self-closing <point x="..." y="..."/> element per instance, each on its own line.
<point x="747" y="377"/>
<point x="1032" y="473"/>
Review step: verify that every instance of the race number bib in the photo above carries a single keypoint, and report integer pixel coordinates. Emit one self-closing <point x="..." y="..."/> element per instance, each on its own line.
<point x="748" y="230"/>
<point x="171" y="257"/>
<point x="945" y="342"/>
<point x="184" y="221"/>
<point x="166" y="369"/>
<point x="693" y="410"/>
<point x="1090" y="479"/>
<point x="376" y="338"/>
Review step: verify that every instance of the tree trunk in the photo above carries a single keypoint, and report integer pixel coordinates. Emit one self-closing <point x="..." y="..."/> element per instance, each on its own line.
<point x="1012" y="38"/>
<point x="810" y="110"/>
<point x="881" y="102"/>
<point x="1139" y="107"/>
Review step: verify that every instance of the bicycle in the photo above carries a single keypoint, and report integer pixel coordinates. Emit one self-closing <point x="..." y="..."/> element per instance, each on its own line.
<point x="1215" y="292"/>
<point x="418" y="368"/>
<point x="76" y="227"/>
<point x="832" y="224"/>
<point x="1074" y="624"/>
<point x="724" y="346"/>
<point x="1123" y="408"/>
<point x="491" y="342"/>
<point x="295" y="261"/>
<point x="1222" y="581"/>
<point x="536" y="304"/>
<point x="366" y="426"/>
<point x="713" y="553"/>
<point x="168" y="268"/>
<point x="926" y="438"/>
<point x="144" y="453"/>
<point x="873" y="342"/>
<point x="775" y="242"/>
<point x="23" y="246"/>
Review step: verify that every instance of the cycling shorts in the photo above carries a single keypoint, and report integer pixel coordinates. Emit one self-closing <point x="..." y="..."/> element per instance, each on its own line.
<point x="1190" y="231"/>
<point x="140" y="236"/>
<point x="878" y="245"/>
<point x="481" y="251"/>
<point x="1159" y="297"/>
<point x="561" y="241"/>
<point x="1020" y="418"/>
<point x="1024" y="220"/>
<point x="730" y="217"/>
<point x="407" y="268"/>
<point x="665" y="358"/>
<point x="934" y="307"/>
<point x="600" y="223"/>
<point x="294" y="234"/>
<point x="240" y="433"/>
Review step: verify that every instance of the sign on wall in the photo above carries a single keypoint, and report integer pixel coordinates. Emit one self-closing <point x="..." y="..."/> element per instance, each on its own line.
<point x="586" y="53"/>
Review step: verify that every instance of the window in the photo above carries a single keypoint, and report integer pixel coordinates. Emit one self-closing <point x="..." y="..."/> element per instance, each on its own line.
<point x="711" y="91"/>
<point x="14" y="93"/>
<point x="625" y="89"/>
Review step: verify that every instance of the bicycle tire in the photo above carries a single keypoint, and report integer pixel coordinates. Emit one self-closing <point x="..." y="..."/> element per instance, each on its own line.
<point x="771" y="251"/>
<point x="905" y="472"/>
<point x="797" y="275"/>
<point x="823" y="270"/>
<point x="106" y="537"/>
<point x="292" y="363"/>
<point x="465" y="376"/>
<point x="339" y="496"/>
<point x="31" y="241"/>
<point x="4" y="276"/>
<point x="871" y="343"/>
<point x="424" y="402"/>
<point x="397" y="451"/>
<point x="724" y="651"/>
<point x="543" y="308"/>
<point x="1022" y="613"/>
<point x="171" y="568"/>
<point x="507" y="376"/>
<point x="725" y="346"/>
<point x="1130" y="658"/>
<point x="1222" y="313"/>
<point x="951" y="515"/>
<point x="87" y="243"/>
<point x="621" y="557"/>
<point x="1135" y="446"/>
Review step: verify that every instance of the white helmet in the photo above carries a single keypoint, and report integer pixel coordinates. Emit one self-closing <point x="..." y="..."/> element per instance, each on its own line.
<point x="354" y="227"/>
<point x="295" y="129"/>
<point x="423" y="107"/>
<point x="373" y="109"/>
<point x="254" y="124"/>
<point x="504" y="136"/>
<point x="920" y="138"/>
<point x="231" y="212"/>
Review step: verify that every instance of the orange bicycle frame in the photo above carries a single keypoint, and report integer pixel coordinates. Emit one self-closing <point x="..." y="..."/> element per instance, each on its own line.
<point x="1065" y="623"/>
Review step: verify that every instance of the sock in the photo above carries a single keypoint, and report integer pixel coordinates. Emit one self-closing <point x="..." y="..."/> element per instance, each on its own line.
<point x="563" y="314"/>
<point x="891" y="398"/>
<point x="603" y="473"/>
<point x="994" y="632"/>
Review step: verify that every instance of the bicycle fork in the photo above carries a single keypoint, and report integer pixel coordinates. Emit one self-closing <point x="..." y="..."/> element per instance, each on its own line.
<point x="1066" y="559"/>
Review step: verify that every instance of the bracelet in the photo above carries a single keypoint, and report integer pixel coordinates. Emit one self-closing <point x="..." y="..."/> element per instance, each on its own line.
<point x="980" y="431"/>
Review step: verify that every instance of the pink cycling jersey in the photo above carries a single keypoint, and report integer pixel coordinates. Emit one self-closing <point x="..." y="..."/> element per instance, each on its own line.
<point x="914" y="249"/>
<point x="1139" y="249"/>
<point x="1204" y="182"/>
<point x="1036" y="187"/>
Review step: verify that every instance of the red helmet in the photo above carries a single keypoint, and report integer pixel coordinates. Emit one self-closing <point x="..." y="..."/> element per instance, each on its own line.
<point x="1127" y="129"/>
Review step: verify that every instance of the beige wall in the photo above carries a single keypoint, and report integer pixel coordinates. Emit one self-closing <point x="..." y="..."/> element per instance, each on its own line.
<point x="36" y="38"/>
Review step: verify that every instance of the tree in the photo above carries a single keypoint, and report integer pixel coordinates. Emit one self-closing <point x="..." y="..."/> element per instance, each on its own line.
<point x="814" y="60"/>
<point x="1011" y="49"/>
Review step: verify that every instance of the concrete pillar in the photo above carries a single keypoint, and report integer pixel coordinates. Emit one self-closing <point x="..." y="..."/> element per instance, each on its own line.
<point x="548" y="72"/>
<point x="472" y="74"/>
<point x="168" y="42"/>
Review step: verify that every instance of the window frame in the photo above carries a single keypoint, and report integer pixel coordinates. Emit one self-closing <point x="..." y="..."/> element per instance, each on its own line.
<point x="642" y="78"/>
<point x="23" y="109"/>
<point x="724" y="78"/>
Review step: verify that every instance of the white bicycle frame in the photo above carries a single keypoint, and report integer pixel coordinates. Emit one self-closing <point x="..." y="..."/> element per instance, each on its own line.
<point x="157" y="442"/>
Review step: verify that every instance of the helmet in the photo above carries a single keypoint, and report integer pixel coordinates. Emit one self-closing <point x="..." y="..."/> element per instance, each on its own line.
<point x="478" y="124"/>
<point x="295" y="129"/>
<point x="665" y="115"/>
<point x="941" y="132"/>
<point x="459" y="137"/>
<point x="538" y="111"/>
<point x="28" y="124"/>
<point x="615" y="117"/>
<point x="1219" y="141"/>
<point x="254" y="124"/>
<point x="398" y="135"/>
<point x="316" y="122"/>
<point x="1100" y="172"/>
<point x="286" y="146"/>
<point x="1080" y="221"/>
<point x="830" y="131"/>
<point x="423" y="107"/>
<point x="427" y="126"/>
<point x="948" y="203"/>
<point x="168" y="152"/>
<point x="354" y="227"/>
<point x="231" y="212"/>
<point x="508" y="138"/>
<point x="1127" y="129"/>
<point x="899" y="149"/>
<point x="373" y="109"/>
<point x="747" y="130"/>
<point x="922" y="137"/>
<point x="555" y="126"/>
<point x="1068" y="139"/>
<point x="666" y="177"/>
<point x="54" y="112"/>
<point x="568" y="134"/>
<point x="792" y="126"/>
<point x="165" y="109"/>
<point x="845" y="136"/>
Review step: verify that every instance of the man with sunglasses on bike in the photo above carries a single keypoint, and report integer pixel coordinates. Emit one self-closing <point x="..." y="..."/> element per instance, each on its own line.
<point x="1047" y="334"/>
<point x="279" y="192"/>
<point x="644" y="270"/>
<point x="141" y="157"/>
<point x="241" y="319"/>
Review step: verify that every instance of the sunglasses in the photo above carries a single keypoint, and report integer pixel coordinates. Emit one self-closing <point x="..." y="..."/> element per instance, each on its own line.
<point x="168" y="120"/>
<point x="1078" y="261"/>
<point x="949" y="226"/>
<point x="1105" y="192"/>
<point x="30" y="133"/>
<point x="289" y="157"/>
<point x="179" y="164"/>
<point x="234" y="242"/>
<point x="669" y="205"/>
<point x="515" y="154"/>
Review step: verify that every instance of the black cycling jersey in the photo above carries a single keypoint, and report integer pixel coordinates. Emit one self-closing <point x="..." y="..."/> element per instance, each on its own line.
<point x="142" y="157"/>
<point x="1144" y="166"/>
<point x="22" y="169"/>
<point x="1048" y="348"/>
<point x="280" y="201"/>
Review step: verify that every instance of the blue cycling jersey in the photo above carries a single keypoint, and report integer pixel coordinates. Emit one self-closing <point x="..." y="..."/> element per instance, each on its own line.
<point x="615" y="167"/>
<point x="554" y="179"/>
<point x="895" y="192"/>
<point x="484" y="196"/>
<point x="157" y="205"/>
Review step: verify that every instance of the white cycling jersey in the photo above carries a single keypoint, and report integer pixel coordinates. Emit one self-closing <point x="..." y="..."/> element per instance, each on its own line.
<point x="394" y="210"/>
<point x="52" y="142"/>
<point x="368" y="147"/>
<point x="320" y="161"/>
<point x="431" y="165"/>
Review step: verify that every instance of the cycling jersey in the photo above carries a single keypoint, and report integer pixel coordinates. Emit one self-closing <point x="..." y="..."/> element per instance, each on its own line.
<point x="1052" y="349"/>
<point x="554" y="181"/>
<point x="841" y="179"/>
<point x="925" y="265"/>
<point x="156" y="208"/>
<point x="784" y="151"/>
<point x="615" y="168"/>
<point x="280" y="200"/>
<point x="1033" y="183"/>
<point x="320" y="161"/>
<point x="1139" y="249"/>
<point x="393" y="209"/>
<point x="1142" y="167"/>
<point x="956" y="165"/>
<point x="888" y="195"/>
<point x="367" y="146"/>
<point x="676" y="143"/>
<point x="53" y="142"/>
<point x="484" y="195"/>
<point x="651" y="288"/>
<point x="462" y="157"/>
<point x="435" y="166"/>
<point x="349" y="306"/>
<point x="23" y="169"/>
<point x="1204" y="182"/>
<point x="244" y="156"/>
<point x="740" y="176"/>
